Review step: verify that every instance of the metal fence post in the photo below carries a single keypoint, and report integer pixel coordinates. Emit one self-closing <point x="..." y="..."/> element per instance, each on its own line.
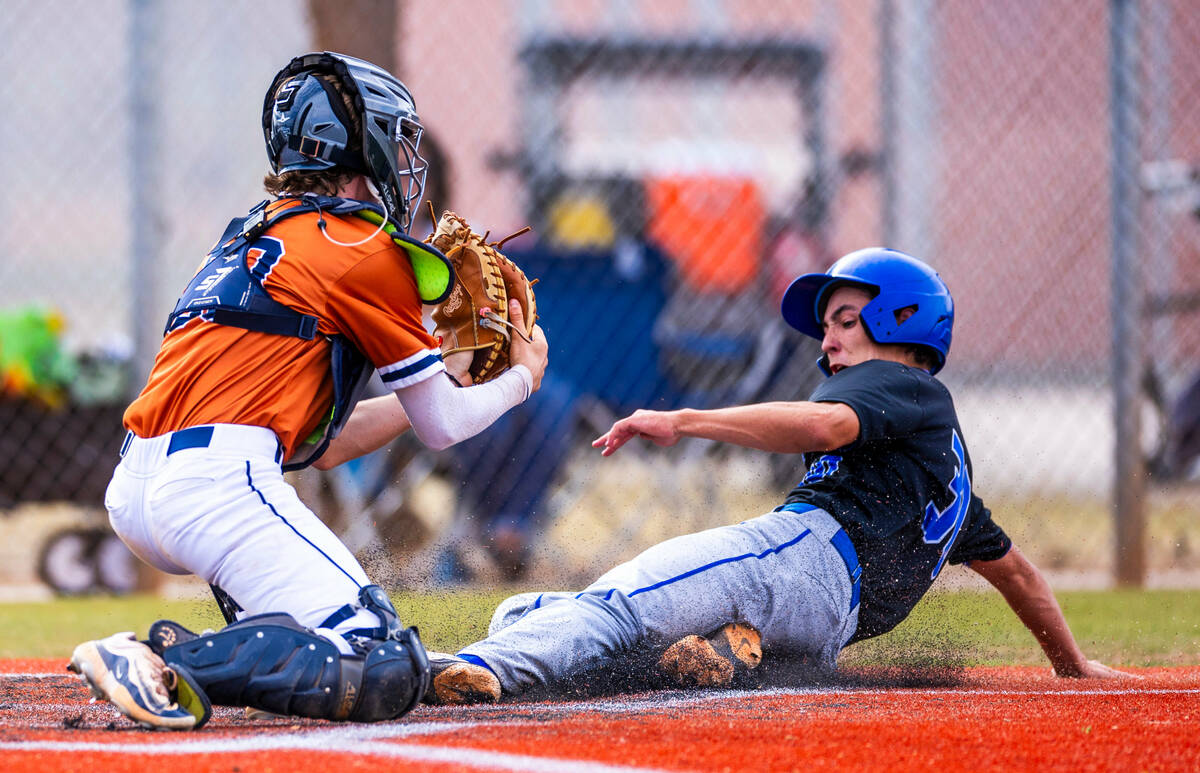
<point x="145" y="171"/>
<point x="1128" y="359"/>
<point x="909" y="142"/>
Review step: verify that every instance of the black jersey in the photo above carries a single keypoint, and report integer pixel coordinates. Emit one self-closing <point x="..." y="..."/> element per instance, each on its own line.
<point x="902" y="490"/>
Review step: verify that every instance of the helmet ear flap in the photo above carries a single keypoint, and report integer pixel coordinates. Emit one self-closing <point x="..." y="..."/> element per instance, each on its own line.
<point x="338" y="106"/>
<point x="310" y="128"/>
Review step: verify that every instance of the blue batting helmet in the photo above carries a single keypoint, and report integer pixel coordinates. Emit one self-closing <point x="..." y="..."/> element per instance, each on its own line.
<point x="896" y="281"/>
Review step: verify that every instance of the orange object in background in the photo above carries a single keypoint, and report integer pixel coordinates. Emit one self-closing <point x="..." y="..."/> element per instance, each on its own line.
<point x="711" y="226"/>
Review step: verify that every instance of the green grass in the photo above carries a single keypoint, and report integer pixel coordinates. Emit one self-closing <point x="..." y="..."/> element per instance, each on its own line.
<point x="1131" y="628"/>
<point x="49" y="629"/>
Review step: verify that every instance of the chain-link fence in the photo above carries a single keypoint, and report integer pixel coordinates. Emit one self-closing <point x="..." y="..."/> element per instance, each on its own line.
<point x="680" y="162"/>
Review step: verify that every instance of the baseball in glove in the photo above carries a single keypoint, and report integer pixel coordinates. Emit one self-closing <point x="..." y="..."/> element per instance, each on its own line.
<point x="474" y="317"/>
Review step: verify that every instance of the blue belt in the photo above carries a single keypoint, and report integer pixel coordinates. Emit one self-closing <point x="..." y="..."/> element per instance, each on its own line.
<point x="192" y="437"/>
<point x="845" y="548"/>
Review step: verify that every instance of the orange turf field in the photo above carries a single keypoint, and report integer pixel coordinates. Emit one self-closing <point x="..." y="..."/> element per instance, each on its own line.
<point x="981" y="719"/>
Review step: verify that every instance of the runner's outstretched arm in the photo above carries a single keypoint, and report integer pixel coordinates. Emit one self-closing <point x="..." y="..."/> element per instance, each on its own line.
<point x="1027" y="592"/>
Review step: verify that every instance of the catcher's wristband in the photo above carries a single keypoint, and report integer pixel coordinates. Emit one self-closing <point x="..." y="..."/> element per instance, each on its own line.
<point x="443" y="414"/>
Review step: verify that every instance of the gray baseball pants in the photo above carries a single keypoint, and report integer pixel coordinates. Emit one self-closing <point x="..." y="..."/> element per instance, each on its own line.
<point x="781" y="572"/>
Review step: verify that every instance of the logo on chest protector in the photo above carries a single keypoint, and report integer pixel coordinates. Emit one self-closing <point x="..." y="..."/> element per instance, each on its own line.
<point x="213" y="279"/>
<point x="945" y="524"/>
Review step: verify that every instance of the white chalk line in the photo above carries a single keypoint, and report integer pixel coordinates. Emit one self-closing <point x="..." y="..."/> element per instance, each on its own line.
<point x="636" y="705"/>
<point x="351" y="740"/>
<point x="379" y="740"/>
<point x="480" y="758"/>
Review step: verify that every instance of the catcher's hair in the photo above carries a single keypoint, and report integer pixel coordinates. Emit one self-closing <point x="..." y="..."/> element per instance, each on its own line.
<point x="326" y="182"/>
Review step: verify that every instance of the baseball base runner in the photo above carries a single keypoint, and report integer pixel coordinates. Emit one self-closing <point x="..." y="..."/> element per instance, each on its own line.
<point x="887" y="500"/>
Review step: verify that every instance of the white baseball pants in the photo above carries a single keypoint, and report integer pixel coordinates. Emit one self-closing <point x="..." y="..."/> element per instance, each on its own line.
<point x="211" y="501"/>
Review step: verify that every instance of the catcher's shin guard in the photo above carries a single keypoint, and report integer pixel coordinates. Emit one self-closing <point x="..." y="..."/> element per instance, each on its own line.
<point x="272" y="663"/>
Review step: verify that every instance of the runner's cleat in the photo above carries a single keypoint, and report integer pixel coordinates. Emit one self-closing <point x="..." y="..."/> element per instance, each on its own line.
<point x="713" y="660"/>
<point x="457" y="682"/>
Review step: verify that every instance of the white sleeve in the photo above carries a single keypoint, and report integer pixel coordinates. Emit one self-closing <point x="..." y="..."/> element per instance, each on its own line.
<point x="443" y="414"/>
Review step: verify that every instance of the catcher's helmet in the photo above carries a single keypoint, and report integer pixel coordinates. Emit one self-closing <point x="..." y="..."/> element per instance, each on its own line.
<point x="306" y="126"/>
<point x="896" y="281"/>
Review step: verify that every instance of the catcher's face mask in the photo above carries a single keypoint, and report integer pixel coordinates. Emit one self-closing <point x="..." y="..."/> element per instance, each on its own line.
<point x="306" y="127"/>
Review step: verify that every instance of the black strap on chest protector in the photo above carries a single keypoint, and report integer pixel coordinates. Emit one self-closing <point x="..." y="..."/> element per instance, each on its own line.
<point x="227" y="291"/>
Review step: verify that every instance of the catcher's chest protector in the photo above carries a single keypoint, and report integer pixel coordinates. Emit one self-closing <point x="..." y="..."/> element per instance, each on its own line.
<point x="228" y="292"/>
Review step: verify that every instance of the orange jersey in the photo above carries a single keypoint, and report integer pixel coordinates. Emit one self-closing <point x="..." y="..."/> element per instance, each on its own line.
<point x="208" y="373"/>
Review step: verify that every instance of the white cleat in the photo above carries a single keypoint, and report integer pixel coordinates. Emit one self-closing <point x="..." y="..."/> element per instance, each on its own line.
<point x="132" y="677"/>
<point x="715" y="660"/>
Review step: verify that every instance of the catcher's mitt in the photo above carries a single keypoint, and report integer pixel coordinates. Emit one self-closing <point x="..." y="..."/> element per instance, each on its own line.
<point x="474" y="317"/>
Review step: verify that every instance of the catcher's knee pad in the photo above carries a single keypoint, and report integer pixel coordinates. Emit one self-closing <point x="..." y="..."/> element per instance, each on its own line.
<point x="394" y="678"/>
<point x="271" y="662"/>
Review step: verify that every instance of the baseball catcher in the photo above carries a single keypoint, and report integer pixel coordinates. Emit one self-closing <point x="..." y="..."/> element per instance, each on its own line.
<point x="263" y="363"/>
